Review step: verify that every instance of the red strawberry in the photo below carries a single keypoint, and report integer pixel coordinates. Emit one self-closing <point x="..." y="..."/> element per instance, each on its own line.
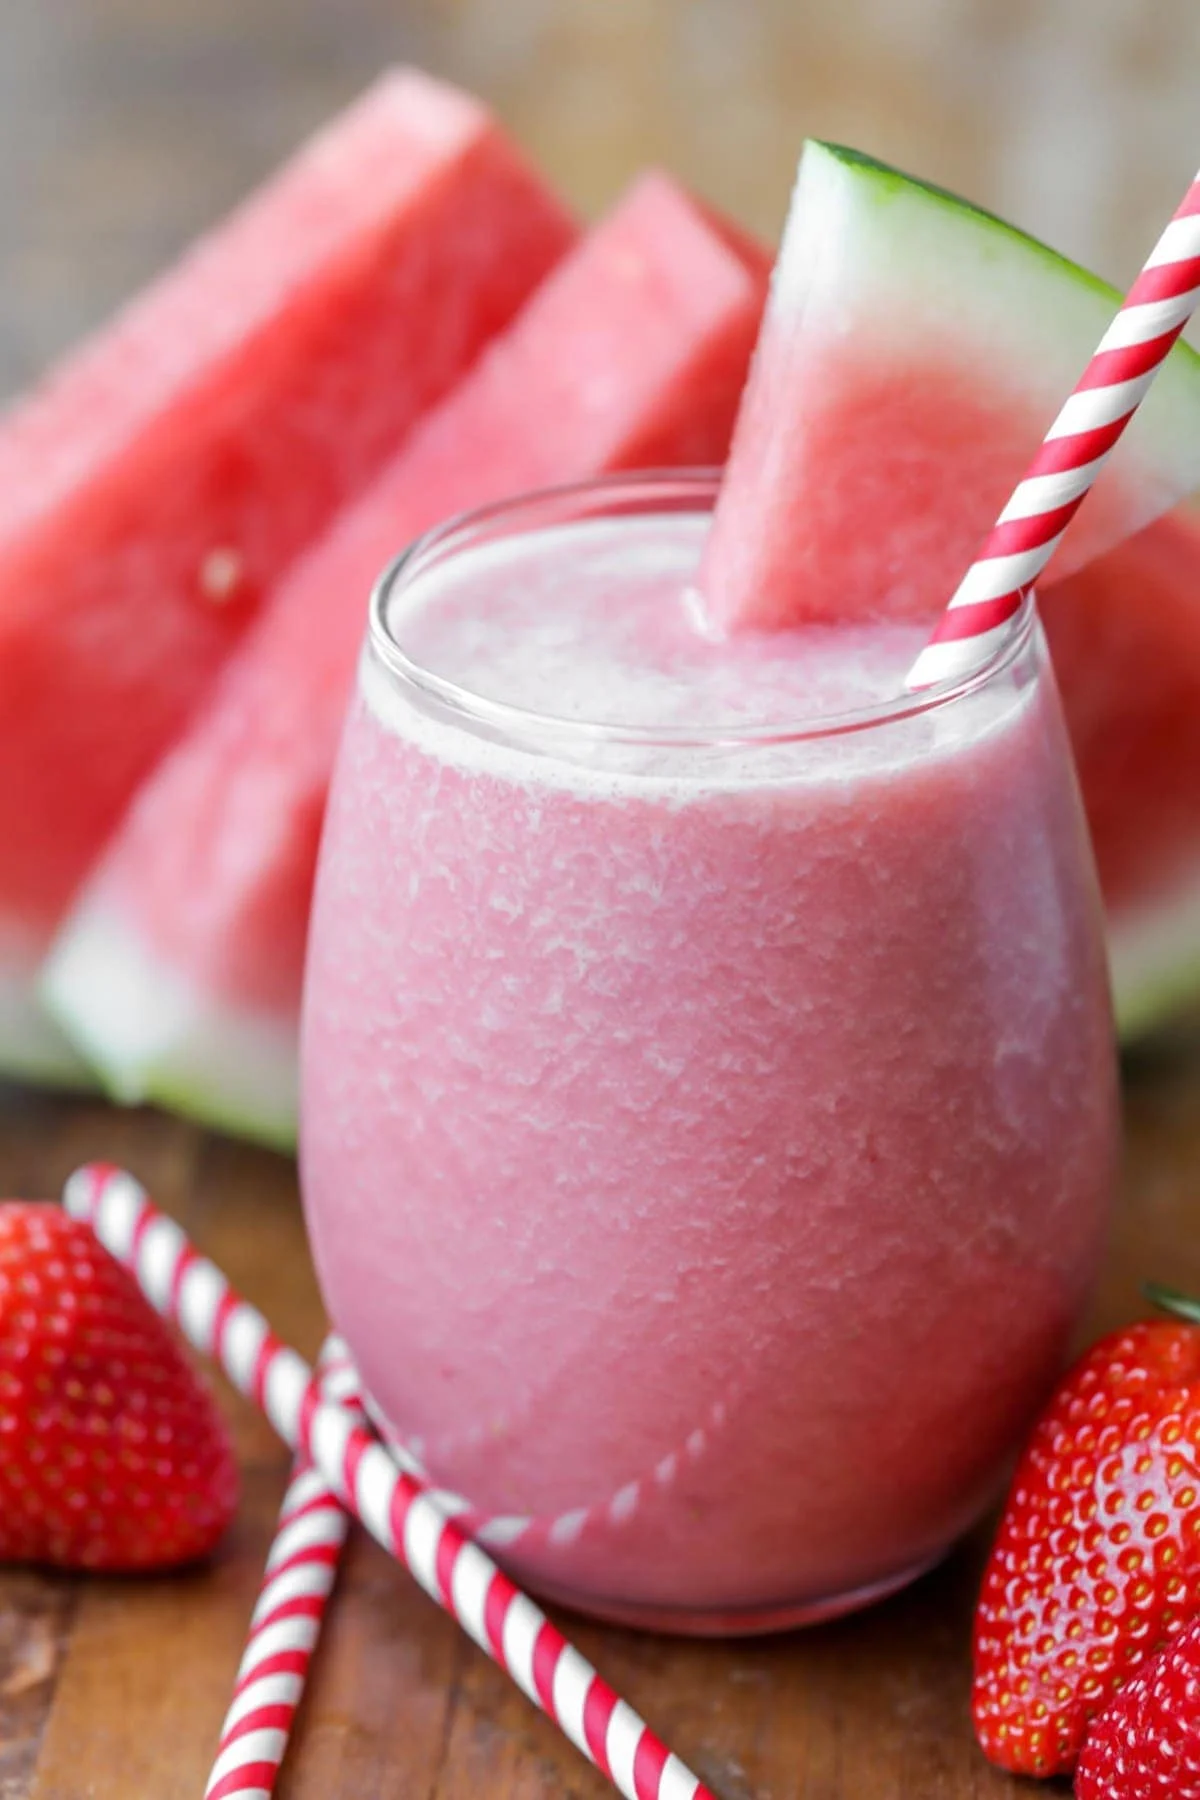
<point x="1146" y="1746"/>
<point x="112" y="1455"/>
<point x="1097" y="1559"/>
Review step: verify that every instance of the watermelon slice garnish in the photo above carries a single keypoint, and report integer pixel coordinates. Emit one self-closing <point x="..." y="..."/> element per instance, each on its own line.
<point x="155" y="487"/>
<point x="1124" y="633"/>
<point x="914" y="351"/>
<point x="180" y="969"/>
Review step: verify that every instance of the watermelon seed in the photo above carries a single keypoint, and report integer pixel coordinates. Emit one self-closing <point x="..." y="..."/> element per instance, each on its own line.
<point x="220" y="575"/>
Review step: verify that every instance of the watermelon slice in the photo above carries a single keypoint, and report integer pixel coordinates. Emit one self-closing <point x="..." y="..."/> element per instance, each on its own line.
<point x="162" y="478"/>
<point x="180" y="971"/>
<point x="1124" y="634"/>
<point x="914" y="352"/>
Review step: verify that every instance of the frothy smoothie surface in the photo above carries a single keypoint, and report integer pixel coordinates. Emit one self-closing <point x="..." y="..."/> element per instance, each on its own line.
<point x="597" y="624"/>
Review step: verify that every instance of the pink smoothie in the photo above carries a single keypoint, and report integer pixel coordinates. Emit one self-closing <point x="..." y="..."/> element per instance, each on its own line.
<point x="707" y="1145"/>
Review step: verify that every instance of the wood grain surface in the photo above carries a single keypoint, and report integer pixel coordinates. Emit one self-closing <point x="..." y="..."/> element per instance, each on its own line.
<point x="111" y="1689"/>
<point x="124" y="126"/>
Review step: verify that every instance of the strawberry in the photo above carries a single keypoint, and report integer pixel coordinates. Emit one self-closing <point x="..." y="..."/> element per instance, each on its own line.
<point x="1146" y="1745"/>
<point x="1097" y="1560"/>
<point x="112" y="1454"/>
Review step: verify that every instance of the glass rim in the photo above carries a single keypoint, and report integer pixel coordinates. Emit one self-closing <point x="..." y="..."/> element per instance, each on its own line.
<point x="645" y="492"/>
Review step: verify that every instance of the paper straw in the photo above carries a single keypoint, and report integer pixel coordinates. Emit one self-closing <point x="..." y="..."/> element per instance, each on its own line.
<point x="298" y="1579"/>
<point x="395" y="1506"/>
<point x="1072" y="454"/>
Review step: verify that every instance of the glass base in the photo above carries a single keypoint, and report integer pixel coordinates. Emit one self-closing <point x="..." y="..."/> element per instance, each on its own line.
<point x="734" y="1621"/>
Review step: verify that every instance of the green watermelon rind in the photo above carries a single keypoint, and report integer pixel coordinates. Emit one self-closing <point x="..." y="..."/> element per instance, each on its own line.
<point x="1154" y="950"/>
<point x="33" y="1048"/>
<point x="191" y="1099"/>
<point x="889" y="183"/>
<point x="219" y="1065"/>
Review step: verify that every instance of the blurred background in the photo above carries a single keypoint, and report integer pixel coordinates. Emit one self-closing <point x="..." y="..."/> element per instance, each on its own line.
<point x="125" y="125"/>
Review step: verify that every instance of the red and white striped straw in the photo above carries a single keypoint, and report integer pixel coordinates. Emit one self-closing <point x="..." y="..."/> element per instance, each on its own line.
<point x="1073" y="452"/>
<point x="396" y="1506"/>
<point x="298" y="1579"/>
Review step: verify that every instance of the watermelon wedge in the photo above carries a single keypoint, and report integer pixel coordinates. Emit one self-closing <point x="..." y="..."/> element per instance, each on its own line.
<point x="1124" y="634"/>
<point x="162" y="478"/>
<point x="179" y="972"/>
<point x="914" y="351"/>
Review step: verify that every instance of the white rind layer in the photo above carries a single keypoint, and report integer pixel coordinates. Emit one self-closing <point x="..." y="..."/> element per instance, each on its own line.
<point x="152" y="1036"/>
<point x="32" y="1047"/>
<point x="1155" y="958"/>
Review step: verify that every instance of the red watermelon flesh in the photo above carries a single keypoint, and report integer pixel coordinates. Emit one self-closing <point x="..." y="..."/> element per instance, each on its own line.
<point x="157" y="484"/>
<point x="914" y="351"/>
<point x="180" y="971"/>
<point x="1124" y="634"/>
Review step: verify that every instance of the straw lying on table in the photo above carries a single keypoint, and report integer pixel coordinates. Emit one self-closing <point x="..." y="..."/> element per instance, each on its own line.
<point x="395" y="1506"/>
<point x="1072" y="454"/>
<point x="298" y="1579"/>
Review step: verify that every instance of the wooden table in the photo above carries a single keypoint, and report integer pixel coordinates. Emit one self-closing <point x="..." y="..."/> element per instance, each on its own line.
<point x="124" y="125"/>
<point x="113" y="1690"/>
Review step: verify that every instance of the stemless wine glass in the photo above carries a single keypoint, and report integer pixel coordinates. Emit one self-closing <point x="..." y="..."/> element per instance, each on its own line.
<point x="708" y="1129"/>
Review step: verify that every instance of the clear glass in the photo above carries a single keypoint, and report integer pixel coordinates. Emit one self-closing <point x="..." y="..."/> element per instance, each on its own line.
<point x="707" y="1136"/>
